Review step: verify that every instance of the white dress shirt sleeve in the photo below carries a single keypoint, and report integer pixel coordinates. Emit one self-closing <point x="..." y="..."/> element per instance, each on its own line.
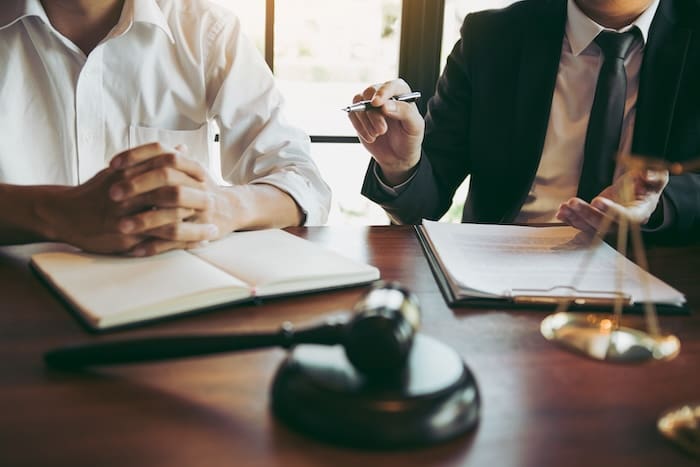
<point x="257" y="144"/>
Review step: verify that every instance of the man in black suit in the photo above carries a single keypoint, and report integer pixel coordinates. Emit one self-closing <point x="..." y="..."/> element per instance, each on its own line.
<point x="514" y="109"/>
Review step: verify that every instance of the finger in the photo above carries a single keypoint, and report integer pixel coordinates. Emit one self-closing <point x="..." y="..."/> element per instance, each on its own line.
<point x="368" y="93"/>
<point x="638" y="212"/>
<point x="587" y="213"/>
<point x="377" y="121"/>
<point x="152" y="180"/>
<point x="677" y="168"/>
<point x="155" y="246"/>
<point x="609" y="208"/>
<point x="406" y="114"/>
<point x="357" y="98"/>
<point x="206" y="215"/>
<point x="370" y="130"/>
<point x="373" y="121"/>
<point x="175" y="160"/>
<point x="388" y="90"/>
<point x="360" y="128"/>
<point x="152" y="219"/>
<point x="120" y="244"/>
<point x="570" y="217"/>
<point x="186" y="232"/>
<point x="138" y="154"/>
<point x="362" y="125"/>
<point x="193" y="245"/>
<point x="177" y="196"/>
<point x="653" y="181"/>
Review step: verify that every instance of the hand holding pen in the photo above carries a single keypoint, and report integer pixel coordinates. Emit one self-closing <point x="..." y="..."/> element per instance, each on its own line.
<point x="366" y="105"/>
<point x="390" y="127"/>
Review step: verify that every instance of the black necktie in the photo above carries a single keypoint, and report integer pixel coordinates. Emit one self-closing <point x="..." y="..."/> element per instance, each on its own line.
<point x="605" y="124"/>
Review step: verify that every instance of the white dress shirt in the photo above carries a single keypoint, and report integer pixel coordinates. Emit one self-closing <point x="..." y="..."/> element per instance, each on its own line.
<point x="560" y="167"/>
<point x="169" y="71"/>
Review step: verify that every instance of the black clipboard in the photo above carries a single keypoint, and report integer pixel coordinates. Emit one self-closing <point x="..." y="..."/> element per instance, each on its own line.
<point x="530" y="301"/>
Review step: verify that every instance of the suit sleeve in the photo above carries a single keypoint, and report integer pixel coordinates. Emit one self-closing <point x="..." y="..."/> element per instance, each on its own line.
<point x="445" y="160"/>
<point x="683" y="196"/>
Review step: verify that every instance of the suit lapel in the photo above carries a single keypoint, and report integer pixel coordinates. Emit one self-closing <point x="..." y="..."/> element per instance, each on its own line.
<point x="538" y="66"/>
<point x="662" y="69"/>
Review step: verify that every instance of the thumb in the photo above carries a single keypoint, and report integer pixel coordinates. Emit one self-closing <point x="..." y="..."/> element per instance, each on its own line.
<point x="406" y="114"/>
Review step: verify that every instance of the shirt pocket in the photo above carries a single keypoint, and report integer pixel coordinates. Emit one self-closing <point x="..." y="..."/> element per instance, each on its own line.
<point x="198" y="141"/>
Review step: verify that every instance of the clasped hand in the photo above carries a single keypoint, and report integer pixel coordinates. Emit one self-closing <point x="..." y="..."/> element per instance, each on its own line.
<point x="150" y="199"/>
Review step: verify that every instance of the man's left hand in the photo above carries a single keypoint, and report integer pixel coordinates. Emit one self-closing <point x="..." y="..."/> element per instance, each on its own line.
<point x="634" y="196"/>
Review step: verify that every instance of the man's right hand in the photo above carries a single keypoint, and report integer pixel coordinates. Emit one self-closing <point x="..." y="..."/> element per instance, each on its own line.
<point x="393" y="133"/>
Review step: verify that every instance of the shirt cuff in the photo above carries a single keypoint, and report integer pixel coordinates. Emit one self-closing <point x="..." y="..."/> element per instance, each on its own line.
<point x="391" y="190"/>
<point x="667" y="215"/>
<point x="311" y="195"/>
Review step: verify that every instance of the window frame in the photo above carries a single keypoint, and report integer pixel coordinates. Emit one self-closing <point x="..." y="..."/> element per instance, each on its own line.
<point x="421" y="33"/>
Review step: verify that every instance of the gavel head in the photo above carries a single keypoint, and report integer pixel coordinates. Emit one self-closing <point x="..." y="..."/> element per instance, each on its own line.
<point x="379" y="337"/>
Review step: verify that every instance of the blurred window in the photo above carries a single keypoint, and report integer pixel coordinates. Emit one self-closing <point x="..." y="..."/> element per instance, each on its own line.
<point x="324" y="52"/>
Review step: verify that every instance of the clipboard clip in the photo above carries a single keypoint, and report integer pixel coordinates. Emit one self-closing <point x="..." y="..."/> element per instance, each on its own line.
<point x="568" y="294"/>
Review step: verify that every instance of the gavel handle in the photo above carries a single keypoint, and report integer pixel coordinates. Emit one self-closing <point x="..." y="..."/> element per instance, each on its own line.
<point x="171" y="347"/>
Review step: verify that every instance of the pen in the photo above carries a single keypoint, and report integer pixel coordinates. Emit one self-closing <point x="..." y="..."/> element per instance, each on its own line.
<point x="363" y="106"/>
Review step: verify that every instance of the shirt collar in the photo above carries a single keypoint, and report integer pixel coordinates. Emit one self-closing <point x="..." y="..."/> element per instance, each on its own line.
<point x="12" y="11"/>
<point x="581" y="30"/>
<point x="142" y="11"/>
<point x="134" y="11"/>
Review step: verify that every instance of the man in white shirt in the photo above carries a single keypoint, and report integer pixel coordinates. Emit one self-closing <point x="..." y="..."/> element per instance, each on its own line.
<point x="143" y="81"/>
<point x="513" y="109"/>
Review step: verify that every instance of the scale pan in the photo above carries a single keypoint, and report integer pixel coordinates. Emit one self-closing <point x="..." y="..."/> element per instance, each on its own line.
<point x="596" y="337"/>
<point x="682" y="426"/>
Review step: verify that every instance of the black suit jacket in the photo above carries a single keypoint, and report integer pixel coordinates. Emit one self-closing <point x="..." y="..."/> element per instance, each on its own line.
<point x="490" y="112"/>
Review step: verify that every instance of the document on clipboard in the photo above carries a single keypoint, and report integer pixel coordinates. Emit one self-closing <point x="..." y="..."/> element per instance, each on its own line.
<point x="535" y="266"/>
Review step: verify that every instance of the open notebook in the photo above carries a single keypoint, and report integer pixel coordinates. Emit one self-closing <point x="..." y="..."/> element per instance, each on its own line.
<point x="108" y="291"/>
<point x="534" y="266"/>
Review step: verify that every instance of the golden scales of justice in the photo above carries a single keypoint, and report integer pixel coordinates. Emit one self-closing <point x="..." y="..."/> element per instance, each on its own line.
<point x="601" y="337"/>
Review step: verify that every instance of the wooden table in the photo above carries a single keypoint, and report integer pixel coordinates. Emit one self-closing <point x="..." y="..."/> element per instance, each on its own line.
<point x="542" y="406"/>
